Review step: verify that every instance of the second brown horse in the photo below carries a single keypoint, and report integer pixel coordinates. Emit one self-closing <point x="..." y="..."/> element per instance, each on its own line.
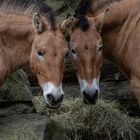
<point x="113" y="33"/>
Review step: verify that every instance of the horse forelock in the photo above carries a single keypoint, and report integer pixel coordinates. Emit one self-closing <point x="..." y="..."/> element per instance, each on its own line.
<point x="29" y="7"/>
<point x="82" y="23"/>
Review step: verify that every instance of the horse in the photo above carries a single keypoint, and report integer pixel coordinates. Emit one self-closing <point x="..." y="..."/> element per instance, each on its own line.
<point x="28" y="34"/>
<point x="114" y="34"/>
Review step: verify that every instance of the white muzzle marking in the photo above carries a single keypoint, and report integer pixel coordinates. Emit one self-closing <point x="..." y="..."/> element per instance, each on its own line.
<point x="50" y="88"/>
<point x="89" y="88"/>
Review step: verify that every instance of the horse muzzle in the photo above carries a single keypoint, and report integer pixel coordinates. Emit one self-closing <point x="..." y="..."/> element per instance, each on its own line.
<point x="89" y="98"/>
<point x="52" y="102"/>
<point x="53" y="94"/>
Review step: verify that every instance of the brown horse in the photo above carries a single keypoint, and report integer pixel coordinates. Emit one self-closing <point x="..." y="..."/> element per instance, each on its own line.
<point x="113" y="34"/>
<point x="24" y="38"/>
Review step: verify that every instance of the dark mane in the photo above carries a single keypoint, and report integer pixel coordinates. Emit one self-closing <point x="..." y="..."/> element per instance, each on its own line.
<point x="29" y="7"/>
<point x="86" y="7"/>
<point x="80" y="13"/>
<point x="83" y="7"/>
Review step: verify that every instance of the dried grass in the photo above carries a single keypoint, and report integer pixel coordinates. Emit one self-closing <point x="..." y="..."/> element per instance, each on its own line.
<point x="103" y="121"/>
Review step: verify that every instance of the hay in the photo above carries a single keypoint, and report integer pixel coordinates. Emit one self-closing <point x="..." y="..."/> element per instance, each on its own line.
<point x="102" y="121"/>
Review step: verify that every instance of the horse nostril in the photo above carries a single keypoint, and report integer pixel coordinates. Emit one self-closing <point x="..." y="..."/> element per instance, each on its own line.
<point x="61" y="98"/>
<point x="86" y="95"/>
<point x="50" y="97"/>
<point x="84" y="92"/>
<point x="90" y="98"/>
<point x="96" y="93"/>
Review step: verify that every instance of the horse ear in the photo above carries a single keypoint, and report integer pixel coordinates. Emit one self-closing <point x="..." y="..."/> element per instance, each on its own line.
<point x="38" y="23"/>
<point x="100" y="20"/>
<point x="68" y="25"/>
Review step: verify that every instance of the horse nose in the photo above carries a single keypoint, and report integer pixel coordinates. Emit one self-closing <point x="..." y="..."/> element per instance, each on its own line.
<point x="90" y="98"/>
<point x="61" y="98"/>
<point x="53" y="101"/>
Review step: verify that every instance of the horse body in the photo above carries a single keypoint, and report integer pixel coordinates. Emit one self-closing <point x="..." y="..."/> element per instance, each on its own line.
<point x="121" y="35"/>
<point x="14" y="50"/>
<point x="24" y="39"/>
<point x="113" y="33"/>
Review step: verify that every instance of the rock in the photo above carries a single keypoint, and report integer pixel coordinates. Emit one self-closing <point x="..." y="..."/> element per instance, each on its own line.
<point x="16" y="87"/>
<point x="8" y="108"/>
<point x="110" y="72"/>
<point x="39" y="103"/>
<point x="65" y="7"/>
<point x="120" y="91"/>
<point x="30" y="127"/>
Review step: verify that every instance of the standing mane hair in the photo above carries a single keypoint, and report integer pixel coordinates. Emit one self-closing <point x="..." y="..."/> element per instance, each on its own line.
<point x="86" y="7"/>
<point x="29" y="7"/>
<point x="80" y="13"/>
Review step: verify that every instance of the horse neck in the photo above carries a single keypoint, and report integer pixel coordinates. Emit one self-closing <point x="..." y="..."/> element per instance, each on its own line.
<point x="98" y="6"/>
<point x="16" y="40"/>
<point x="116" y="23"/>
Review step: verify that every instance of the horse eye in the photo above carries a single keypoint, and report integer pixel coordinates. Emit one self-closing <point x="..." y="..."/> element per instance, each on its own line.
<point x="40" y="52"/>
<point x="100" y="48"/>
<point x="73" y="51"/>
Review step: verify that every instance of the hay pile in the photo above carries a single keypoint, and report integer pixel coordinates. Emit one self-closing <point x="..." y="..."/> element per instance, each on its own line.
<point x="103" y="121"/>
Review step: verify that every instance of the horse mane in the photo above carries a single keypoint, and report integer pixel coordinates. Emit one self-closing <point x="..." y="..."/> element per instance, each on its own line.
<point x="29" y="7"/>
<point x="86" y="7"/>
<point x="81" y="11"/>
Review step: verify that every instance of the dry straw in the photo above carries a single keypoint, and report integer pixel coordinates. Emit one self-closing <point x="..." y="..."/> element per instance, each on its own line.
<point x="103" y="121"/>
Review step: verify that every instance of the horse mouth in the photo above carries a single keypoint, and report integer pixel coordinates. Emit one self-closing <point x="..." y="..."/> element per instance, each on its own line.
<point x="53" y="106"/>
<point x="91" y="102"/>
